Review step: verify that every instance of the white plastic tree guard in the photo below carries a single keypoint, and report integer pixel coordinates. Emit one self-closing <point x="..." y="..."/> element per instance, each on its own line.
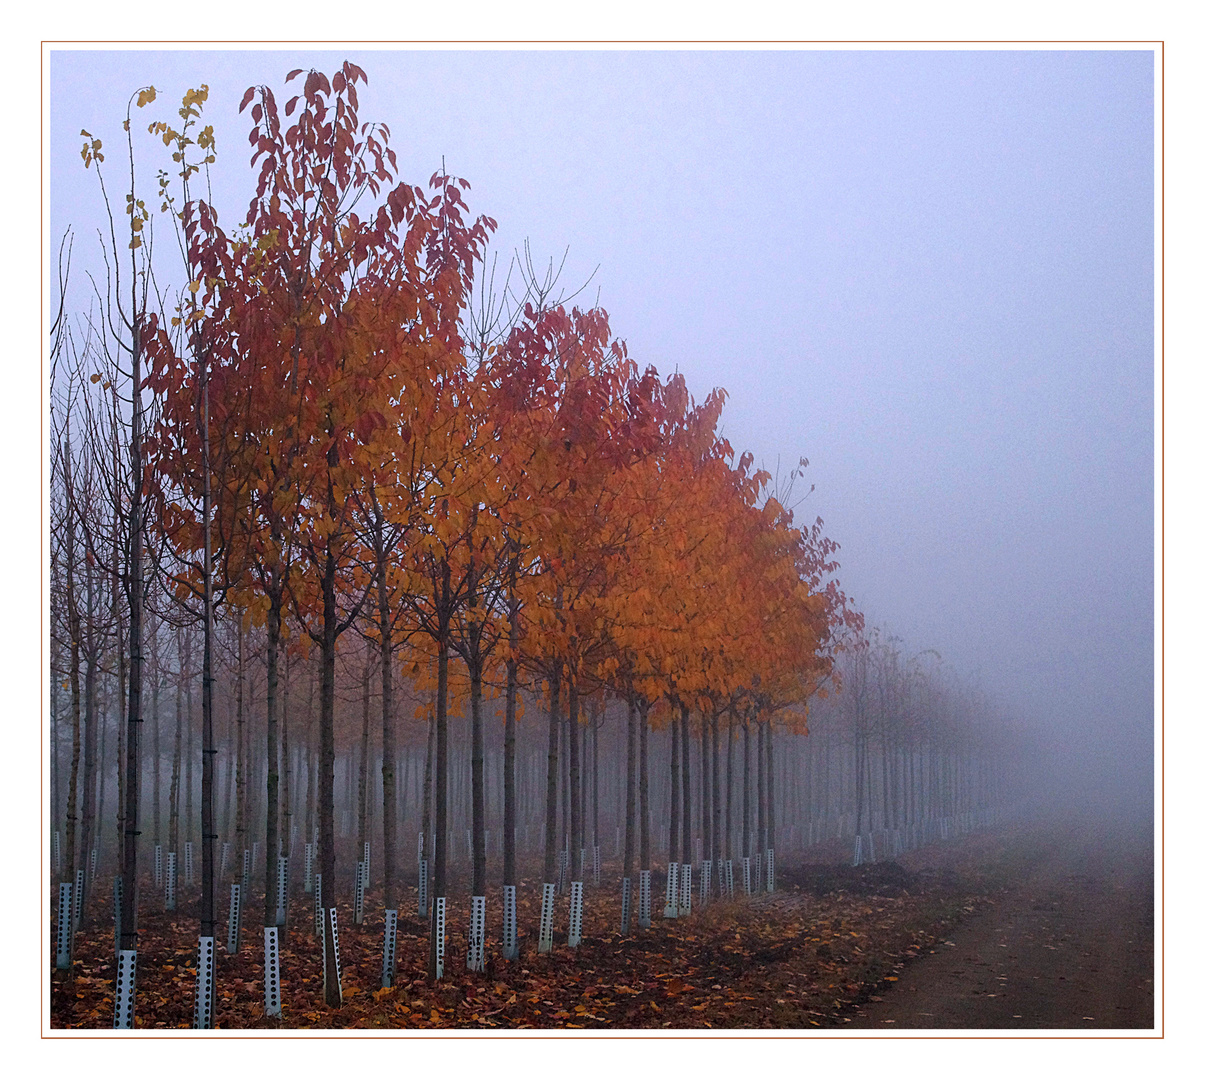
<point x="441" y="934"/>
<point x="234" y="924"/>
<point x="92" y="869"/>
<point x="858" y="850"/>
<point x="63" y="938"/>
<point x="77" y="899"/>
<point x="422" y="889"/>
<point x="169" y="883"/>
<point x="421" y="850"/>
<point x="367" y="863"/>
<point x="728" y="881"/>
<point x="271" y="972"/>
<point x="188" y="867"/>
<point x="769" y="870"/>
<point x="318" y="906"/>
<point x="309" y="868"/>
<point x="625" y="907"/>
<point x="357" y="911"/>
<point x="597" y="866"/>
<point x="510" y="923"/>
<point x="746" y="876"/>
<point x="546" y="901"/>
<point x="58" y="853"/>
<point x="671" y="892"/>
<point x="123" y="1000"/>
<point x="684" y="889"/>
<point x="254" y="857"/>
<point x="575" y="912"/>
<point x="476" y="958"/>
<point x="704" y="882"/>
<point x="202" y="1014"/>
<point x="389" y="952"/>
<point x="581" y="864"/>
<point x="245" y="881"/>
<point x="330" y="917"/>
<point x="757" y="871"/>
<point x="282" y="889"/>
<point x="644" y="913"/>
<point x="158" y="866"/>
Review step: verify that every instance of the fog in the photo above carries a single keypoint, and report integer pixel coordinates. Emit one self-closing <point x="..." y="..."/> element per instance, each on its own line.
<point x="929" y="273"/>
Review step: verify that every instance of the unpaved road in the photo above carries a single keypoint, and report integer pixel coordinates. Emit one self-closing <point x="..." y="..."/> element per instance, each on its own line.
<point x="1067" y="942"/>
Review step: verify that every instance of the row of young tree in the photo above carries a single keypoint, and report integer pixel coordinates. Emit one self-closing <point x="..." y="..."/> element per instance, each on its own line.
<point x="337" y="443"/>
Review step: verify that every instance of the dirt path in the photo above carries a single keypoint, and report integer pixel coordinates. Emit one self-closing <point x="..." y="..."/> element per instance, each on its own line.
<point x="1066" y="943"/>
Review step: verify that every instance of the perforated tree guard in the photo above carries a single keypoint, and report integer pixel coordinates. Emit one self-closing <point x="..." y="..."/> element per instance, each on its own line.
<point x="254" y="859"/>
<point x="858" y="850"/>
<point x="441" y="933"/>
<point x="188" y="867"/>
<point x="234" y="924"/>
<point x="245" y="881"/>
<point x="728" y="881"/>
<point x="77" y="899"/>
<point x="510" y="923"/>
<point x="63" y="937"/>
<point x="329" y="916"/>
<point x="581" y="864"/>
<point x="282" y="889"/>
<point x="420" y="847"/>
<point x="597" y="865"/>
<point x="746" y="875"/>
<point x="575" y="914"/>
<point x="625" y="907"/>
<point x="422" y="889"/>
<point x="357" y="911"/>
<point x="476" y="959"/>
<point x="705" y="882"/>
<point x="757" y="871"/>
<point x="202" y="1014"/>
<point x="318" y="905"/>
<point x="58" y="854"/>
<point x="367" y="863"/>
<point x="769" y="870"/>
<point x="309" y="868"/>
<point x="671" y="892"/>
<point x="271" y="973"/>
<point x="644" y="914"/>
<point x="123" y="1002"/>
<point x="546" y="901"/>
<point x="169" y="883"/>
<point x="92" y="869"/>
<point x="158" y="866"/>
<point x="684" y="889"/>
<point x="389" y="951"/>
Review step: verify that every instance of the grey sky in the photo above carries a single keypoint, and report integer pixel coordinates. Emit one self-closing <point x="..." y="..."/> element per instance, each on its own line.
<point x="929" y="273"/>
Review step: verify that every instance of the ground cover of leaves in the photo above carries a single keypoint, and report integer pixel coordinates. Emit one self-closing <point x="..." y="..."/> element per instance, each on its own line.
<point x="831" y="937"/>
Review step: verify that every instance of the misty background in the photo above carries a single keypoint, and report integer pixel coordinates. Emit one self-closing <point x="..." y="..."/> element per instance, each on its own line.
<point x="929" y="273"/>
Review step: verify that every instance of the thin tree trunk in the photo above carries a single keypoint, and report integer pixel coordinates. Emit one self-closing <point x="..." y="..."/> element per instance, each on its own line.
<point x="687" y="853"/>
<point x="576" y="830"/>
<point x="554" y="725"/>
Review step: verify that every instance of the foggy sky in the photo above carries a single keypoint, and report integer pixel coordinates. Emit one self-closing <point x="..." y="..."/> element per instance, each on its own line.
<point x="929" y="273"/>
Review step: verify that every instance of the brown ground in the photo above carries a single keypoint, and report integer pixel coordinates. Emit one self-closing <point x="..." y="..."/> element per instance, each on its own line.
<point x="1033" y="926"/>
<point x="1067" y="942"/>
